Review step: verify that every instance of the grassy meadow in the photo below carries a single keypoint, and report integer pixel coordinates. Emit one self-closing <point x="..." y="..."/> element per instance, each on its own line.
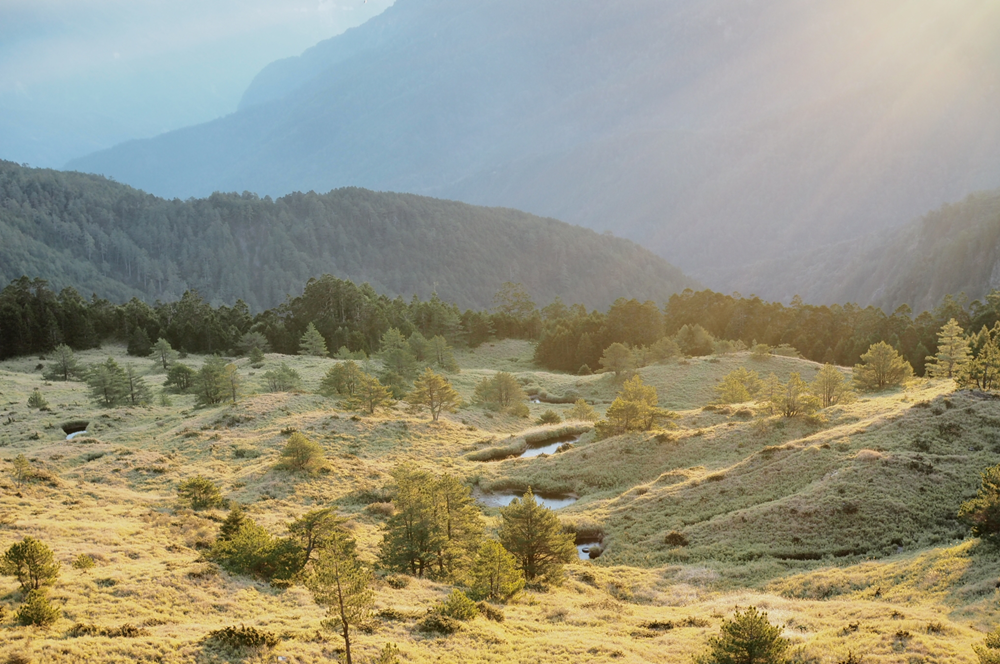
<point x="842" y="526"/>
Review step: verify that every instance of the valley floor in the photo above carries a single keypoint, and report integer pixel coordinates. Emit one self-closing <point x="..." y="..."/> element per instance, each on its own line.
<point x="842" y="526"/>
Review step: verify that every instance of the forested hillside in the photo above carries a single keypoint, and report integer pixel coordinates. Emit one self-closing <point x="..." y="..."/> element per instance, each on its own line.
<point x="714" y="133"/>
<point x="103" y="237"/>
<point x="954" y="249"/>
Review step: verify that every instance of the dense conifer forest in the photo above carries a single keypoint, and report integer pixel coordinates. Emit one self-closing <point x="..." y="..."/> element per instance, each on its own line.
<point x="35" y="319"/>
<point x="102" y="237"/>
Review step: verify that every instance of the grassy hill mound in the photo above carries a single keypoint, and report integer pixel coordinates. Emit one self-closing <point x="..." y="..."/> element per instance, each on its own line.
<point x="842" y="526"/>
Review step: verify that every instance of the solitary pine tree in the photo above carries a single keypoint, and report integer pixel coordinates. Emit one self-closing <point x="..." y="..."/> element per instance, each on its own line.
<point x="830" y="387"/>
<point x="163" y="353"/>
<point x="341" y="583"/>
<point x="881" y="367"/>
<point x="63" y="365"/>
<point x="312" y="343"/>
<point x="746" y="639"/>
<point x="434" y="392"/>
<point x="534" y="536"/>
<point x="108" y="383"/>
<point x="371" y="395"/>
<point x="795" y="398"/>
<point x="953" y="352"/>
<point x="501" y="391"/>
<point x="31" y="562"/>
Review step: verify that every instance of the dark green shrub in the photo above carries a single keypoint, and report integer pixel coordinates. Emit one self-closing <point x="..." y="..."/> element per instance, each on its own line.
<point x="675" y="538"/>
<point x="747" y="639"/>
<point x="83" y="562"/>
<point x="200" y="493"/>
<point x="434" y="622"/>
<point x="459" y="606"/>
<point x="490" y="612"/>
<point x="255" y="552"/>
<point x="244" y="638"/>
<point x="549" y="417"/>
<point x="32" y="562"/>
<point x="37" y="611"/>
<point x="180" y="377"/>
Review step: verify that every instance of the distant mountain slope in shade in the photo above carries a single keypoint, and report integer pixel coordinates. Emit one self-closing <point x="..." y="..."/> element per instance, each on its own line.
<point x="104" y="237"/>
<point x="954" y="249"/>
<point x="714" y="133"/>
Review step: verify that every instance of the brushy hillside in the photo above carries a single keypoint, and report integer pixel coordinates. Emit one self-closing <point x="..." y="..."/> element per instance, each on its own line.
<point x="840" y="526"/>
<point x="100" y="236"/>
<point x="953" y="249"/>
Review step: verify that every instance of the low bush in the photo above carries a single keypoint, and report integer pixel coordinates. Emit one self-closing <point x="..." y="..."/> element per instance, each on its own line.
<point x="490" y="612"/>
<point x="434" y="622"/>
<point x="458" y="606"/>
<point x="244" y="638"/>
<point x="37" y="611"/>
<point x="675" y="538"/>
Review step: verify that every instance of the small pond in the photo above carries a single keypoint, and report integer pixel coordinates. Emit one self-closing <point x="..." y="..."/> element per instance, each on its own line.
<point x="502" y="499"/>
<point x="549" y="446"/>
<point x="583" y="549"/>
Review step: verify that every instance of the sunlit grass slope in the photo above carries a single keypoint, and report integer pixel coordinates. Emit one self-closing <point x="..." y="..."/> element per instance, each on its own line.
<point x="841" y="526"/>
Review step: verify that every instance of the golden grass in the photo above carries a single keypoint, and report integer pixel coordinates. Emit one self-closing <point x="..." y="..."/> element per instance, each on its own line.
<point x="842" y="528"/>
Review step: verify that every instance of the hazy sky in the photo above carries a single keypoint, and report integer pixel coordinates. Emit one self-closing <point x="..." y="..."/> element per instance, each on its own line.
<point x="80" y="75"/>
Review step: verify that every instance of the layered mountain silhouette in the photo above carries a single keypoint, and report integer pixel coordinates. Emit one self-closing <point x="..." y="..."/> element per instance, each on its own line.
<point x="715" y="133"/>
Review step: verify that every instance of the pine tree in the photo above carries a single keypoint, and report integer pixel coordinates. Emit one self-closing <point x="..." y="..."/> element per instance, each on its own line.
<point x="436" y="527"/>
<point x="139" y="344"/>
<point x="137" y="392"/>
<point x="108" y="383"/>
<point x="747" y="639"/>
<point x="582" y="411"/>
<point x="163" y="353"/>
<point x="634" y="409"/>
<point x="302" y="455"/>
<point x="314" y="530"/>
<point x="795" y="398"/>
<point x="881" y="367"/>
<point x="312" y="343"/>
<point x="341" y="583"/>
<point x="501" y="391"/>
<point x="22" y="470"/>
<point x="982" y="513"/>
<point x="830" y="387"/>
<point x="618" y="359"/>
<point x="442" y="355"/>
<point x="435" y="393"/>
<point x="371" y="395"/>
<point x="988" y="651"/>
<point x="31" y="562"/>
<point x="64" y="365"/>
<point x="495" y="573"/>
<point x="953" y="352"/>
<point x="36" y="400"/>
<point x="534" y="536"/>
<point x="342" y="379"/>
<point x="738" y="386"/>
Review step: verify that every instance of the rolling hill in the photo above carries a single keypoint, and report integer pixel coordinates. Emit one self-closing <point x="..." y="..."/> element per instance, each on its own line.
<point x="107" y="238"/>
<point x="842" y="526"/>
<point x="715" y="133"/>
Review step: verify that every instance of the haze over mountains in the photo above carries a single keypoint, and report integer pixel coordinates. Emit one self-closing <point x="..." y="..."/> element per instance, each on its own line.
<point x="715" y="133"/>
<point x="107" y="238"/>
